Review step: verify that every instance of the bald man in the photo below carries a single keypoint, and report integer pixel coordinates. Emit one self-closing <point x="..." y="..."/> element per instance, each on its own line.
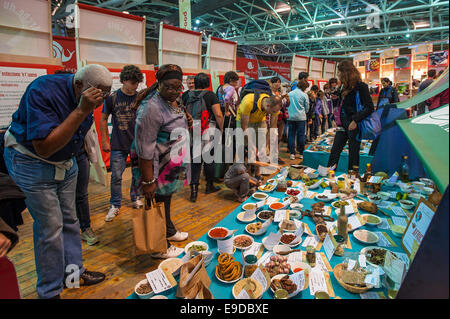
<point x="46" y="132"/>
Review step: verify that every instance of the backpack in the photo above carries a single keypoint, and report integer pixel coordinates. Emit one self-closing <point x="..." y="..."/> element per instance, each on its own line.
<point x="256" y="87"/>
<point x="196" y="106"/>
<point x="221" y="95"/>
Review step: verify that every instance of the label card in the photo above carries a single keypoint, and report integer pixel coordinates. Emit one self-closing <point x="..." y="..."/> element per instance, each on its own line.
<point x="318" y="282"/>
<point x="248" y="215"/>
<point x="354" y="222"/>
<point x="375" y="179"/>
<point x="329" y="247"/>
<point x="398" y="211"/>
<point x="259" y="276"/>
<point x="158" y="281"/>
<point x="226" y="246"/>
<point x="394" y="267"/>
<point x="271" y="200"/>
<point x="351" y="264"/>
<point x="323" y="171"/>
<point x="399" y="221"/>
<point x="393" y="178"/>
<point x="253" y="249"/>
<point x="243" y="295"/>
<point x="265" y="258"/>
<point x="384" y="240"/>
<point x="362" y="261"/>
<point x="295" y="257"/>
<point x="273" y="239"/>
<point x="310" y="241"/>
<point x="299" y="279"/>
<point x="384" y="224"/>
<point x="279" y="216"/>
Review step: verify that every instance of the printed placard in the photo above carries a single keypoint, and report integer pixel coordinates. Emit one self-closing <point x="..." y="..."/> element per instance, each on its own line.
<point x="310" y="241"/>
<point x="384" y="224"/>
<point x="253" y="249"/>
<point x="158" y="281"/>
<point x="273" y="239"/>
<point x="399" y="221"/>
<point x="385" y="240"/>
<point x="329" y="247"/>
<point x="226" y="246"/>
<point x="299" y="279"/>
<point x="320" y="281"/>
<point x="258" y="275"/>
<point x="398" y="211"/>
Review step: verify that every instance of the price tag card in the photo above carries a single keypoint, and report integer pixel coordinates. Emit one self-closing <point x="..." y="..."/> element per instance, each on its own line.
<point x="258" y="275"/>
<point x="354" y="222"/>
<point x="349" y="209"/>
<point x="393" y="178"/>
<point x="362" y="261"/>
<point x="307" y="229"/>
<point x="394" y="267"/>
<point x="295" y="257"/>
<point x="323" y="171"/>
<point x="265" y="258"/>
<point x="351" y="264"/>
<point x="357" y="186"/>
<point x="299" y="279"/>
<point x="310" y="241"/>
<point x="261" y="203"/>
<point x="373" y="295"/>
<point x="375" y="179"/>
<point x="322" y="262"/>
<point x="329" y="247"/>
<point x="253" y="250"/>
<point x="158" y="281"/>
<point x="320" y="281"/>
<point x="384" y="224"/>
<point x="279" y="216"/>
<point x="273" y="239"/>
<point x="399" y="221"/>
<point x="398" y="211"/>
<point x="310" y="194"/>
<point x="243" y="295"/>
<point x="309" y="170"/>
<point x="248" y="215"/>
<point x="392" y="194"/>
<point x="225" y="246"/>
<point x="385" y="240"/>
<point x="299" y="231"/>
<point x="272" y="200"/>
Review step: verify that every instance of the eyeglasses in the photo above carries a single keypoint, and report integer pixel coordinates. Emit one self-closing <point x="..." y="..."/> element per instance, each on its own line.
<point x="105" y="94"/>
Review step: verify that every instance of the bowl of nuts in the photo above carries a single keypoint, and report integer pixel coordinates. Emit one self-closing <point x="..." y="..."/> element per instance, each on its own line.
<point x="143" y="289"/>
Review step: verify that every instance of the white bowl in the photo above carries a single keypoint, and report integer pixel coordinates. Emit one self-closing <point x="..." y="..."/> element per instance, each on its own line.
<point x="281" y="248"/>
<point x="197" y="243"/>
<point x="258" y="233"/>
<point x="376" y="199"/>
<point x="378" y="222"/>
<point x="172" y="265"/>
<point x="313" y="175"/>
<point x="296" y="206"/>
<point x="406" y="204"/>
<point x="384" y="195"/>
<point x="315" y="185"/>
<point x="218" y="237"/>
<point x="159" y="297"/>
<point x="143" y="296"/>
<point x="404" y="187"/>
<point x="295" y="293"/>
<point x="418" y="186"/>
<point x="329" y="198"/>
<point x="390" y="184"/>
<point x="259" y="214"/>
<point x="361" y="236"/>
<point x="428" y="190"/>
<point x="271" y="206"/>
<point x="240" y="217"/>
<point x="263" y="196"/>
<point x="428" y="182"/>
<point x="298" y="264"/>
<point x="248" y="237"/>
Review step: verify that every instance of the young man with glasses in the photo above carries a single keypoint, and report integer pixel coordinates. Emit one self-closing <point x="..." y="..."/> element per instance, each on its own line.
<point x="119" y="104"/>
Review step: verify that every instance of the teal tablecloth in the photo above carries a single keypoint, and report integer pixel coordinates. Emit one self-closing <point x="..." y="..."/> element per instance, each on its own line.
<point x="223" y="291"/>
<point x="315" y="158"/>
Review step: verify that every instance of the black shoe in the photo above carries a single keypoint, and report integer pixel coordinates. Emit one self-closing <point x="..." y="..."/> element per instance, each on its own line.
<point x="210" y="188"/>
<point x="194" y="193"/>
<point x="89" y="278"/>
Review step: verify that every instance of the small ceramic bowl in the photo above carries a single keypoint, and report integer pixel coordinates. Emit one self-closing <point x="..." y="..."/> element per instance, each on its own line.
<point x="384" y="195"/>
<point x="405" y="188"/>
<point x="428" y="190"/>
<point x="398" y="230"/>
<point x="376" y="199"/>
<point x="418" y="186"/>
<point x="143" y="296"/>
<point x="406" y="204"/>
<point x="296" y="206"/>
<point x="428" y="182"/>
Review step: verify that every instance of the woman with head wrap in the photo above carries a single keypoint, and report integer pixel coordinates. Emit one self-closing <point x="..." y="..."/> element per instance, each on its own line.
<point x="159" y="114"/>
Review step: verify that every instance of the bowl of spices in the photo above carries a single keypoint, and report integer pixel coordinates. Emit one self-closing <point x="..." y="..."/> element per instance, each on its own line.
<point x="143" y="289"/>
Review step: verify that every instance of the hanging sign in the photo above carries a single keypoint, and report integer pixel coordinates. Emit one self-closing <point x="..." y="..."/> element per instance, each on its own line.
<point x="184" y="8"/>
<point x="64" y="48"/>
<point x="283" y="69"/>
<point x="248" y="66"/>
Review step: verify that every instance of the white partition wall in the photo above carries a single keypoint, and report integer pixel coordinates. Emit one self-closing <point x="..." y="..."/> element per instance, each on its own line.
<point x="299" y="64"/>
<point x="110" y="36"/>
<point x="26" y="27"/>
<point x="316" y="68"/>
<point x="221" y="55"/>
<point x="329" y="70"/>
<point x="180" y="46"/>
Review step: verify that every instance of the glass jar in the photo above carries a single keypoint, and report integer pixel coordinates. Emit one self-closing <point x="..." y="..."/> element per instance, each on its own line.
<point x="311" y="256"/>
<point x="250" y="265"/>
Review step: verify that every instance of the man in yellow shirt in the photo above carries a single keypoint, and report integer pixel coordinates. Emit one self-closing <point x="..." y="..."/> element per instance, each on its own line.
<point x="254" y="116"/>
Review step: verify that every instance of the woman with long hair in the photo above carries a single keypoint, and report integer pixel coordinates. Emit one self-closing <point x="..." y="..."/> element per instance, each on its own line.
<point x="347" y="118"/>
<point x="159" y="114"/>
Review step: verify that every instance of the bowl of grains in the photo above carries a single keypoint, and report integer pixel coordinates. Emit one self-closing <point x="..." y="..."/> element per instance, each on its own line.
<point x="143" y="289"/>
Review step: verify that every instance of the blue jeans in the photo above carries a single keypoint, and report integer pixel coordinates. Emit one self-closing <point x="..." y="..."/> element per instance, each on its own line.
<point x="297" y="129"/>
<point x="56" y="230"/>
<point x="82" y="197"/>
<point x="118" y="163"/>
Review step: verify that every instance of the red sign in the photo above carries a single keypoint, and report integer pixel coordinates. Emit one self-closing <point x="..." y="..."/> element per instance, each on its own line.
<point x="64" y="49"/>
<point x="248" y="66"/>
<point x="283" y="69"/>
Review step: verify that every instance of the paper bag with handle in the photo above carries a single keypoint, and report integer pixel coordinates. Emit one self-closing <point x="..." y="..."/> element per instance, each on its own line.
<point x="149" y="229"/>
<point x="194" y="280"/>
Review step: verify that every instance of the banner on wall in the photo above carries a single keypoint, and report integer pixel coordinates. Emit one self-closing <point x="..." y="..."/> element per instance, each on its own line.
<point x="248" y="66"/>
<point x="184" y="7"/>
<point x="283" y="69"/>
<point x="65" y="49"/>
<point x="13" y="83"/>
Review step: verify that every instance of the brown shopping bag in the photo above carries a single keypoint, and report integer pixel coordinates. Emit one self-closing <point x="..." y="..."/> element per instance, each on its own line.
<point x="194" y="280"/>
<point x="149" y="229"/>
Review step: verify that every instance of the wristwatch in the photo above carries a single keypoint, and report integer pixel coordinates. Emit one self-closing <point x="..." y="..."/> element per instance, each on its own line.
<point x="149" y="183"/>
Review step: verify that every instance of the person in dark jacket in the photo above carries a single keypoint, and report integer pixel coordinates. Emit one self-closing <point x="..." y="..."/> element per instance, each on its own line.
<point x="349" y="117"/>
<point x="388" y="94"/>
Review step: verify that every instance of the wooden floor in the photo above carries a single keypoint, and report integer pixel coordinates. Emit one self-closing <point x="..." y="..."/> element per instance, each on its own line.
<point x="114" y="254"/>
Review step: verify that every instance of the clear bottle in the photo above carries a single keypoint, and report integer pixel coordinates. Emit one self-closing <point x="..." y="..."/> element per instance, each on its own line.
<point x="368" y="174"/>
<point x="404" y="170"/>
<point x="342" y="224"/>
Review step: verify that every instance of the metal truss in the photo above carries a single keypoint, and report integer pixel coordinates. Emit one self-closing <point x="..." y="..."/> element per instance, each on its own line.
<point x="278" y="28"/>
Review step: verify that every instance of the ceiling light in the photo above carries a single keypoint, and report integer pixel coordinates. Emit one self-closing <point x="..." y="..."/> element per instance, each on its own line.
<point x="296" y="38"/>
<point x="283" y="8"/>
<point x="421" y="24"/>
<point x="195" y="28"/>
<point x="211" y="24"/>
<point x="197" y="21"/>
<point x="126" y="12"/>
<point x="341" y="34"/>
<point x="408" y="35"/>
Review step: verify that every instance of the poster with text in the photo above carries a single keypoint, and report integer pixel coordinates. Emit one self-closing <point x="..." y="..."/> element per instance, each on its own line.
<point x="13" y="83"/>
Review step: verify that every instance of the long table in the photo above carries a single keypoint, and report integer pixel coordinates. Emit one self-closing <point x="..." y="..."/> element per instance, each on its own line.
<point x="224" y="291"/>
<point x="314" y="158"/>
